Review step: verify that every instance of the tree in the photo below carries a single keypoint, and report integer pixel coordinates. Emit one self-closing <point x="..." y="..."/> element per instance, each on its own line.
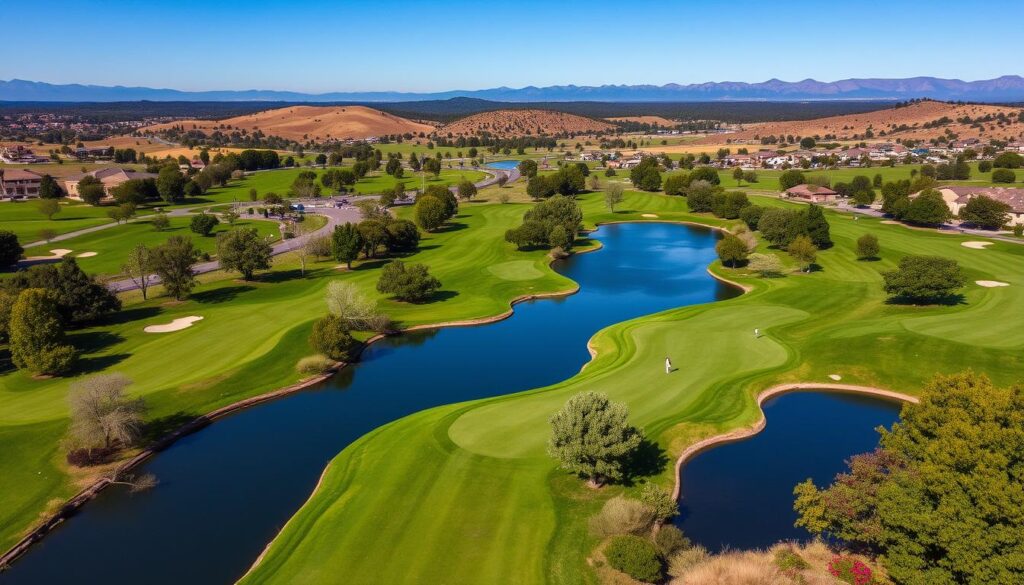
<point x="700" y="196"/>
<point x="501" y="180"/>
<point x="173" y="261"/>
<point x="808" y="143"/>
<point x="466" y="189"/>
<point x="442" y="194"/>
<point x="645" y="176"/>
<point x="37" y="335"/>
<point x="10" y="249"/>
<point x="139" y="267"/>
<point x="90" y="190"/>
<point x="137" y="191"/>
<point x="985" y="212"/>
<point x="412" y="283"/>
<point x="243" y="250"/>
<point x="709" y="174"/>
<point x="803" y="250"/>
<point x="676" y="184"/>
<point x="49" y="189"/>
<point x="661" y="501"/>
<point x="539" y="222"/>
<point x="591" y="437"/>
<point x="731" y="250"/>
<point x="790" y="179"/>
<point x="767" y="265"/>
<point x="538" y="187"/>
<point x="737" y="174"/>
<point x="159" y="221"/>
<point x="203" y="223"/>
<point x="751" y="215"/>
<point x="331" y="337"/>
<point x="170" y="183"/>
<point x="729" y="204"/>
<point x="402" y="236"/>
<point x="430" y="213"/>
<point x="346" y="242"/>
<point x="928" y="208"/>
<point x="939" y="501"/>
<point x="77" y="296"/>
<point x="358" y="311"/>
<point x="816" y="227"/>
<point x="1003" y="176"/>
<point x="1008" y="160"/>
<point x="780" y="226"/>
<point x="867" y="247"/>
<point x="613" y="194"/>
<point x="924" y="279"/>
<point x="432" y="166"/>
<point x="527" y="168"/>
<point x="102" y="415"/>
<point x="48" y="207"/>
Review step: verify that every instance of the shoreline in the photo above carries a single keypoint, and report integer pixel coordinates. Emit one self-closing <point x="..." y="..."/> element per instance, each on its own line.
<point x="765" y="395"/>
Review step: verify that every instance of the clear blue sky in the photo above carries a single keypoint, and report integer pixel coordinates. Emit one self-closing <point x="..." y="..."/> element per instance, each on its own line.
<point x="407" y="45"/>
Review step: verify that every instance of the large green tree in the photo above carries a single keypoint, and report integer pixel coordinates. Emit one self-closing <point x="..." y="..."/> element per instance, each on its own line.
<point x="924" y="279"/>
<point x="985" y="212"/>
<point x="816" y="227"/>
<point x="243" y="250"/>
<point x="941" y="501"/>
<point x="928" y="208"/>
<point x="10" y="249"/>
<point x="170" y="183"/>
<point x="411" y="282"/>
<point x="37" y="335"/>
<point x="346" y="242"/>
<point x="591" y="437"/>
<point x="173" y="262"/>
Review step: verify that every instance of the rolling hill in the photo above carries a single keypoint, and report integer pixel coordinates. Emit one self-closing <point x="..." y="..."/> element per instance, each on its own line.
<point x="508" y="123"/>
<point x="318" y="123"/>
<point x="921" y="120"/>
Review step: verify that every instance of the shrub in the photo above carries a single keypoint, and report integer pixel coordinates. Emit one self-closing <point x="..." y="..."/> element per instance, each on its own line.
<point x="407" y="283"/>
<point x="1003" y="176"/>
<point x="660" y="501"/>
<point x="985" y="166"/>
<point x="635" y="557"/>
<point x="787" y="559"/>
<point x="767" y="265"/>
<point x="330" y="337"/>
<point x="850" y="570"/>
<point x="670" y="540"/>
<point x="867" y="247"/>
<point x="683" y="561"/>
<point x="312" y="365"/>
<point x="621" y="515"/>
<point x="203" y="223"/>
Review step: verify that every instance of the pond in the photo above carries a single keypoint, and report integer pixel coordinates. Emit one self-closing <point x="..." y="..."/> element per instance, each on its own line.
<point x="506" y="165"/>
<point x="225" y="491"/>
<point x="740" y="495"/>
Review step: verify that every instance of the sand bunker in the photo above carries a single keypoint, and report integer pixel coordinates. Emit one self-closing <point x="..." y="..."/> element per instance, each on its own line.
<point x="85" y="255"/>
<point x="890" y="222"/>
<point x="60" y="252"/>
<point x="835" y="377"/>
<point x="176" y="325"/>
<point x="55" y="254"/>
<point x="649" y="215"/>
<point x="990" y="283"/>
<point x="975" y="245"/>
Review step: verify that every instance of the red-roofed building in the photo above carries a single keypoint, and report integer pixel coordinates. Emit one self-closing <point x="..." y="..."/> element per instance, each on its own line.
<point x="812" y="193"/>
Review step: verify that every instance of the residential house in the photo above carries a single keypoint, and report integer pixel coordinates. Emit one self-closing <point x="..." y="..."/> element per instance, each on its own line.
<point x="812" y="193"/>
<point x="20" y="155"/>
<point x="957" y="197"/>
<point x="110" y="177"/>
<point x="94" y="152"/>
<point x="19" y="184"/>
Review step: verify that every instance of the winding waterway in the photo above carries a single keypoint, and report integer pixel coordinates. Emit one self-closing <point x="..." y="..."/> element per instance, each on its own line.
<point x="225" y="491"/>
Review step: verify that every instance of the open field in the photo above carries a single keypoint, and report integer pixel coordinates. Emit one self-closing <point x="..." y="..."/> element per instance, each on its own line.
<point x="491" y="506"/>
<point x="318" y="123"/>
<point x="111" y="245"/>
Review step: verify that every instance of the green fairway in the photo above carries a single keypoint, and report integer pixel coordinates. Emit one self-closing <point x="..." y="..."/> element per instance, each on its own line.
<point x="471" y="495"/>
<point x="769" y="179"/>
<point x="111" y="245"/>
<point x="23" y="218"/>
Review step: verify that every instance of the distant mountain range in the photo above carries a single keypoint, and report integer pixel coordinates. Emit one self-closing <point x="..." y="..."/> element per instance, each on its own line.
<point x="1007" y="88"/>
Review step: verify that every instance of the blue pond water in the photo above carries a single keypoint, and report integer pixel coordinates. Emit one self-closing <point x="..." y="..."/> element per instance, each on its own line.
<point x="740" y="495"/>
<point x="226" y="491"/>
<point x="504" y="164"/>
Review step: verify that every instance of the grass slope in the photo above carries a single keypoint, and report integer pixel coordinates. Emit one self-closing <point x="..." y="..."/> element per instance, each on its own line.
<point x="465" y="494"/>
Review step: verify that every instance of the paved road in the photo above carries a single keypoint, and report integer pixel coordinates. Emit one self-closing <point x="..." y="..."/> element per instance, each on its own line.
<point x="947" y="227"/>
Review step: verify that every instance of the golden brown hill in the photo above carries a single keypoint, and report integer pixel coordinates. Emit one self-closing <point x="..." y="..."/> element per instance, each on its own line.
<point x="317" y="123"/>
<point x="652" y="120"/>
<point x="922" y="120"/>
<point x="513" y="123"/>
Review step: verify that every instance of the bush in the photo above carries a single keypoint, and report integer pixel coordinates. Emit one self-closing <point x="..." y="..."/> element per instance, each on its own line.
<point x="1003" y="176"/>
<point x="1008" y="160"/>
<point x="407" y="283"/>
<point x="985" y="166"/>
<point x="621" y="515"/>
<point x="330" y="337"/>
<point x="660" y="501"/>
<point x="670" y="540"/>
<point x="683" y="561"/>
<point x="867" y="247"/>
<point x="850" y="570"/>
<point x="787" y="559"/>
<point x="203" y="223"/>
<point x="767" y="265"/>
<point x="635" y="557"/>
<point x="312" y="365"/>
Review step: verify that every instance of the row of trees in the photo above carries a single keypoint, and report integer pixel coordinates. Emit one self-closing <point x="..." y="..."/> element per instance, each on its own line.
<point x="553" y="223"/>
<point x="378" y="234"/>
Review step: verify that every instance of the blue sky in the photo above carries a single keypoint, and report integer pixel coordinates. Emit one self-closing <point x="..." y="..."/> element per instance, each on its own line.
<point x="408" y="45"/>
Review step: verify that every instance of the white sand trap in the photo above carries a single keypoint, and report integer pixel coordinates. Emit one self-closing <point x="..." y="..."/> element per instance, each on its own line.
<point x="835" y="377"/>
<point x="60" y="252"/>
<point x="85" y="255"/>
<point x="990" y="283"/>
<point x="890" y="222"/>
<point x="176" y="325"/>
<point x="975" y="245"/>
<point x="649" y="215"/>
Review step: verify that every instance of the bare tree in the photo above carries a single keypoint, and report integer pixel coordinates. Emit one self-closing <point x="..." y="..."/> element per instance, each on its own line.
<point x="357" y="310"/>
<point x="135" y="483"/>
<point x="139" y="267"/>
<point x="613" y="194"/>
<point x="101" y="414"/>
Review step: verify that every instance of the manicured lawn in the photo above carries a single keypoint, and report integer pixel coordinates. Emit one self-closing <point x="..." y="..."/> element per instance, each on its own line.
<point x="769" y="179"/>
<point x="111" y="245"/>
<point x="479" y="500"/>
<point x="23" y="218"/>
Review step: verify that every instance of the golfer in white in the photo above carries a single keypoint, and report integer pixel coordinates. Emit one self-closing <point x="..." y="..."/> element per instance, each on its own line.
<point x="668" y="366"/>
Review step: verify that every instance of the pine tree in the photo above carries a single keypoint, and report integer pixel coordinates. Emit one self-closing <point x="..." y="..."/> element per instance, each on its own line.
<point x="817" y="228"/>
<point x="36" y="335"/>
<point x="346" y="243"/>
